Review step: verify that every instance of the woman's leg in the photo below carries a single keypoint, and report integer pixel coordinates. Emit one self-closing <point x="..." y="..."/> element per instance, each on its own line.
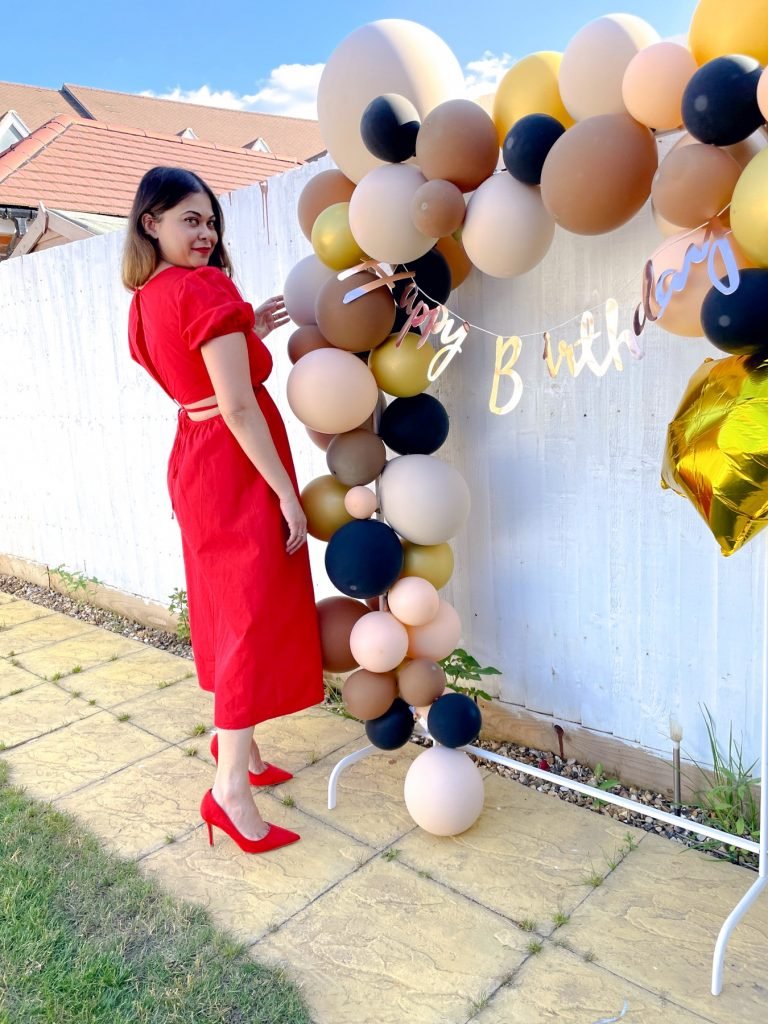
<point x="231" y="789"/>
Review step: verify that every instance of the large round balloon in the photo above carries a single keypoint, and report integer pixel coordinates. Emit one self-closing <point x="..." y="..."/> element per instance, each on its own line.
<point x="413" y="601"/>
<point x="414" y="426"/>
<point x="392" y="729"/>
<point x="320" y="192"/>
<point x="367" y="694"/>
<point x="720" y="101"/>
<point x="457" y="142"/>
<point x="431" y="275"/>
<point x="599" y="174"/>
<point x="594" y="62"/>
<point x="390" y="56"/>
<point x="749" y="209"/>
<point x="454" y="720"/>
<point x="737" y="322"/>
<point x="694" y="184"/>
<point x="380" y="218"/>
<point x="421" y="682"/>
<point x="364" y="558"/>
<point x="721" y="28"/>
<point x="437" y="638"/>
<point x="401" y="370"/>
<point x="331" y="391"/>
<point x="305" y="339"/>
<point x="336" y="617"/>
<point x="304" y="281"/>
<point x="444" y="791"/>
<point x="323" y="503"/>
<point x="507" y="230"/>
<point x="437" y="208"/>
<point x="361" y="324"/>
<point x="356" y="457"/>
<point x="424" y="499"/>
<point x="654" y="83"/>
<point x="332" y="240"/>
<point x="389" y="126"/>
<point x="527" y="145"/>
<point x="433" y="562"/>
<point x="379" y="642"/>
<point x="529" y="87"/>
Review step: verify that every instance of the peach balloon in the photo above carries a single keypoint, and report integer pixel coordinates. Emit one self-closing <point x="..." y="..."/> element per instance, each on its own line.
<point x="654" y="83"/>
<point x="458" y="261"/>
<point x="331" y="391"/>
<point x="421" y="682"/>
<point x="414" y="601"/>
<point x="378" y="642"/>
<point x="305" y="339"/>
<point x="304" y="281"/>
<point x="438" y="638"/>
<point x="360" y="502"/>
<point x="324" y="190"/>
<point x="380" y="218"/>
<point x="594" y="62"/>
<point x="437" y="208"/>
<point x="444" y="791"/>
<point x="457" y="142"/>
<point x="694" y="184"/>
<point x="507" y="229"/>
<point x="367" y="694"/>
<point x="321" y="440"/>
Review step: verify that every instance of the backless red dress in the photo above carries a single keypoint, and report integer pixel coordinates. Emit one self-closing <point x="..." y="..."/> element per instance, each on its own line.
<point x="252" y="613"/>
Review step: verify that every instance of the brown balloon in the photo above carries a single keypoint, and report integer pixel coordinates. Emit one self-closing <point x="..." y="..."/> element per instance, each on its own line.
<point x="356" y="457"/>
<point x="305" y="339"/>
<point x="321" y="440"/>
<point x="457" y="142"/>
<point x="694" y="184"/>
<point x="421" y="682"/>
<point x="369" y="694"/>
<point x="437" y="208"/>
<point x="356" y="326"/>
<point x="337" y="616"/>
<point x="323" y="503"/>
<point x="599" y="173"/>
<point x="458" y="261"/>
<point x="325" y="189"/>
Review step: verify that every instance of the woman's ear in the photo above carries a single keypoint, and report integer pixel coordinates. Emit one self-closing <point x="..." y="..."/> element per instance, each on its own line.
<point x="149" y="224"/>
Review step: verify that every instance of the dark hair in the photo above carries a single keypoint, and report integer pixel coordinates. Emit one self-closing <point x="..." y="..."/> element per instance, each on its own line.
<point x="159" y="190"/>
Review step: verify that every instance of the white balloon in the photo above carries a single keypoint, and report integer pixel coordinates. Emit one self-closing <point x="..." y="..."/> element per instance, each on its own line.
<point x="380" y="214"/>
<point x="423" y="499"/>
<point x="302" y="284"/>
<point x="444" y="791"/>
<point x="507" y="229"/>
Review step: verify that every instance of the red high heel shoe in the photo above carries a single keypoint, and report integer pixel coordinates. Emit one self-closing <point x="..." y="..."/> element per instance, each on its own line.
<point x="213" y="814"/>
<point x="271" y="776"/>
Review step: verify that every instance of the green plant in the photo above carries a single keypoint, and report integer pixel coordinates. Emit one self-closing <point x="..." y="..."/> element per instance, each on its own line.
<point x="75" y="669"/>
<point x="391" y="854"/>
<point x="560" y="918"/>
<point x="528" y="925"/>
<point x="123" y="717"/>
<point x="334" y="700"/>
<point x="180" y="608"/>
<point x="534" y="946"/>
<point x="729" y="797"/>
<point x="199" y="730"/>
<point x="461" y="665"/>
<point x="76" y="581"/>
<point x="288" y="801"/>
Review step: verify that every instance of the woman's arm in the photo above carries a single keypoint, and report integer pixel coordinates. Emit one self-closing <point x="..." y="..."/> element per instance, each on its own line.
<point x="226" y="359"/>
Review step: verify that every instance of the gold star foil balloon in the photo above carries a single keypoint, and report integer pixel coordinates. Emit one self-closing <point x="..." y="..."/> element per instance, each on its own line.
<point x="717" y="448"/>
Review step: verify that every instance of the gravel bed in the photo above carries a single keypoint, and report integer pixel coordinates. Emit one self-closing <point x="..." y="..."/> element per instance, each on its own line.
<point x="546" y="759"/>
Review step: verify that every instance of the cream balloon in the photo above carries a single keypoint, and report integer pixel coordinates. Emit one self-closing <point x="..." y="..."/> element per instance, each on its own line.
<point x="507" y="230"/>
<point x="360" y="502"/>
<point x="654" y="82"/>
<point x="413" y="601"/>
<point x="444" y="791"/>
<point x="331" y="391"/>
<point x="304" y="281"/>
<point x="438" y="638"/>
<point x="425" y="500"/>
<point x="381" y="642"/>
<point x="762" y="93"/>
<point x="594" y="62"/>
<point x="388" y="56"/>
<point x="379" y="214"/>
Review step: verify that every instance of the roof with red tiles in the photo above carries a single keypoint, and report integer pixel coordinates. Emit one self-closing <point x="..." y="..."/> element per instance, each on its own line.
<point x="32" y="103"/>
<point x="77" y="164"/>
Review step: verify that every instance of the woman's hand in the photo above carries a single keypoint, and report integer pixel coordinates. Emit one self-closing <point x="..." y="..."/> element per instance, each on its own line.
<point x="269" y="315"/>
<point x="294" y="516"/>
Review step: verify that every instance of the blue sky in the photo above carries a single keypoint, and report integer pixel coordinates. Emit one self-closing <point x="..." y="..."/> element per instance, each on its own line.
<point x="268" y="56"/>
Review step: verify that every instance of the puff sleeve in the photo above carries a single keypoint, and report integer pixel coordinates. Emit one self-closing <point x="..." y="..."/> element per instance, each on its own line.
<point x="210" y="305"/>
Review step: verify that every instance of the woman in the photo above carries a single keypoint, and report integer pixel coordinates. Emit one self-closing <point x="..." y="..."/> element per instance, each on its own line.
<point x="232" y="484"/>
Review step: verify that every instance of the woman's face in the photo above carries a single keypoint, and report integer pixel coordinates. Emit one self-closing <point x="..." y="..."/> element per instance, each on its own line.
<point x="187" y="233"/>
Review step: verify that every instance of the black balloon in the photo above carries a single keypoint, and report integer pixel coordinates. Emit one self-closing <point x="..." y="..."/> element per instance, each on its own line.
<point x="414" y="426"/>
<point x="392" y="729"/>
<point x="738" y="323"/>
<point x="389" y="127"/>
<point x="454" y="720"/>
<point x="720" y="101"/>
<point x="364" y="558"/>
<point x="527" y="145"/>
<point x="432" y="276"/>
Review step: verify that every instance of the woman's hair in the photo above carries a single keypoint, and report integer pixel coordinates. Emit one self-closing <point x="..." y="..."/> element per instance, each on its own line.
<point x="159" y="190"/>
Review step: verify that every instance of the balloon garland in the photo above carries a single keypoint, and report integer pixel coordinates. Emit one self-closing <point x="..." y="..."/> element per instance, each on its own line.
<point x="428" y="186"/>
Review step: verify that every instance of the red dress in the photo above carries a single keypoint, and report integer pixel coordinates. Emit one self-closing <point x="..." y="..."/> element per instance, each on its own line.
<point x="252" y="612"/>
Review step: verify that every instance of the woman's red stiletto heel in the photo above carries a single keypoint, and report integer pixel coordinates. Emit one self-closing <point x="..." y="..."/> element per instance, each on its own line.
<point x="213" y="814"/>
<point x="271" y="776"/>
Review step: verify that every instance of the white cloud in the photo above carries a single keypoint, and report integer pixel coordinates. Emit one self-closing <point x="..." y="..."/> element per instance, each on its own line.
<point x="483" y="76"/>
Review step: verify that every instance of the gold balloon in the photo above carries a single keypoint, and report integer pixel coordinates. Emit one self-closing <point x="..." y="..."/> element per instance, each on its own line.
<point x="402" y="371"/>
<point x="433" y="562"/>
<point x="323" y="503"/>
<point x="717" y="449"/>
<point x="719" y="28"/>
<point x="332" y="240"/>
<point x="749" y="209"/>
<point x="530" y="87"/>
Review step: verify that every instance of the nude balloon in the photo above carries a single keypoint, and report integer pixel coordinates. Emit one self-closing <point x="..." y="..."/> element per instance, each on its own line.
<point x="378" y="642"/>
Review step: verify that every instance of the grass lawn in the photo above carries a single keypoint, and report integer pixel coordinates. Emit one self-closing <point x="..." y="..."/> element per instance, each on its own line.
<point x="84" y="939"/>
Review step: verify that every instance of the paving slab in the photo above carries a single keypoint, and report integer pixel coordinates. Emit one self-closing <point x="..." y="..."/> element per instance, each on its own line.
<point x="135" y="674"/>
<point x="45" y="631"/>
<point x="14" y="613"/>
<point x="389" y="946"/>
<point x="173" y="713"/>
<point x="90" y="647"/>
<point x="38" y="710"/>
<point x="655" y="921"/>
<point x="14" y="679"/>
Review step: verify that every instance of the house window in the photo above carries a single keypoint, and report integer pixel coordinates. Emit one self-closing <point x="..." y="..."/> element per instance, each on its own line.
<point x="258" y="144"/>
<point x="12" y="130"/>
<point x="188" y="133"/>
